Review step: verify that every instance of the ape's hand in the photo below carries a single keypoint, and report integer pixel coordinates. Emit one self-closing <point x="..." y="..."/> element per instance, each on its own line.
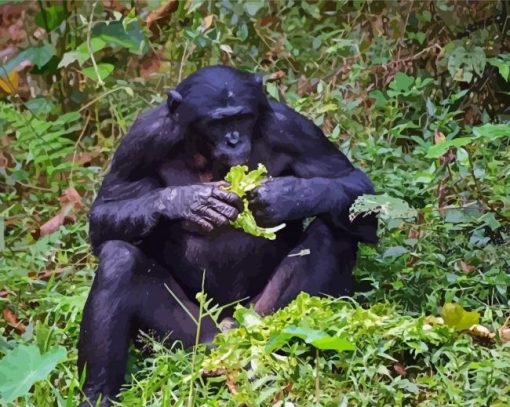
<point x="277" y="200"/>
<point x="207" y="205"/>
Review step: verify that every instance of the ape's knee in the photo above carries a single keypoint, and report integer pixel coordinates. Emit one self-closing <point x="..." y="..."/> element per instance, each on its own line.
<point x="118" y="262"/>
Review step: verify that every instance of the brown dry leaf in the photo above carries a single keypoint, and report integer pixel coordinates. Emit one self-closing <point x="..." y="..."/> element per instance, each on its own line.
<point x="504" y="331"/>
<point x="84" y="157"/>
<point x="207" y="21"/>
<point x="150" y="64"/>
<point x="69" y="201"/>
<point x="114" y="5"/>
<point x="268" y="20"/>
<point x="4" y="293"/>
<point x="71" y="196"/>
<point x="161" y="15"/>
<point x="45" y="275"/>
<point x="482" y="334"/>
<point x="303" y="86"/>
<point x="4" y="161"/>
<point x="231" y="384"/>
<point x="439" y="137"/>
<point x="466" y="268"/>
<point x="400" y="369"/>
<point x="276" y="76"/>
<point x="213" y="372"/>
<point x="12" y="320"/>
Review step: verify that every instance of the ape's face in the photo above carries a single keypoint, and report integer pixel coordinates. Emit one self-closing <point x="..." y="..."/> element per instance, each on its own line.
<point x="226" y="140"/>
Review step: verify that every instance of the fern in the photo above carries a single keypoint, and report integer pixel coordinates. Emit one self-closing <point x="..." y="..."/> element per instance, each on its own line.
<point x="41" y="146"/>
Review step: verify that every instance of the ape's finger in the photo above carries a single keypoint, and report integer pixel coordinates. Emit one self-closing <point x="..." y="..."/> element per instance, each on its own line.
<point x="215" y="218"/>
<point x="221" y="183"/>
<point x="204" y="224"/>
<point x="226" y="210"/>
<point x="229" y="197"/>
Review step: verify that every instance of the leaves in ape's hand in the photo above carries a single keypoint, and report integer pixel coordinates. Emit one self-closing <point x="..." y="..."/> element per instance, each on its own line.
<point x="242" y="181"/>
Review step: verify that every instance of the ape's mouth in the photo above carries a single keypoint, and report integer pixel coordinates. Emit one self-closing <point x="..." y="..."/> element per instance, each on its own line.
<point x="231" y="161"/>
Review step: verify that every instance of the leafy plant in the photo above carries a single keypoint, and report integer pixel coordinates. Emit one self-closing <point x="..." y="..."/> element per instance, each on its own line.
<point x="25" y="365"/>
<point x="241" y="181"/>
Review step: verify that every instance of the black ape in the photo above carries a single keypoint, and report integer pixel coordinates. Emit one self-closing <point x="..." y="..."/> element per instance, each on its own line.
<point x="161" y="218"/>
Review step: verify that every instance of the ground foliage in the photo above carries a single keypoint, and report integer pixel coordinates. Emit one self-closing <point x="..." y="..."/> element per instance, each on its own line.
<point x="413" y="92"/>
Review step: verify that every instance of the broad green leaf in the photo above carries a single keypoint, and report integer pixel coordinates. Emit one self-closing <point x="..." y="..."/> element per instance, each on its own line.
<point x="242" y="181"/>
<point x="395" y="251"/>
<point x="327" y="108"/>
<point x="247" y="317"/>
<point x="104" y="71"/>
<point x="437" y="150"/>
<point x="502" y="65"/>
<point x="458" y="318"/>
<point x="492" y="131"/>
<point x="386" y="206"/>
<point x="38" y="56"/>
<point x="319" y="339"/>
<point x="462" y="63"/>
<point x="24" y="366"/>
<point x="401" y="82"/>
<point x="51" y="17"/>
<point x="130" y="37"/>
<point x="82" y="53"/>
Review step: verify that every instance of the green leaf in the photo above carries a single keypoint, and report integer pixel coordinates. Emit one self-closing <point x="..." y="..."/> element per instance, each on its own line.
<point x="311" y="9"/>
<point x="54" y="15"/>
<point x="437" y="150"/>
<point x="319" y="339"/>
<point x="247" y="317"/>
<point x="38" y="56"/>
<point x="252" y="7"/>
<point x="242" y="181"/>
<point x="395" y="251"/>
<point x="502" y="65"/>
<point x="82" y="53"/>
<point x="104" y="71"/>
<point x="492" y="131"/>
<point x="130" y="37"/>
<point x="401" y="82"/>
<point x="386" y="206"/>
<point x="458" y="318"/>
<point x="24" y="366"/>
<point x="462" y="63"/>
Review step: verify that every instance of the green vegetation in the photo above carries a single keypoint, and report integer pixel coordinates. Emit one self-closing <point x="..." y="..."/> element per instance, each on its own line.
<point x="402" y="89"/>
<point x="242" y="181"/>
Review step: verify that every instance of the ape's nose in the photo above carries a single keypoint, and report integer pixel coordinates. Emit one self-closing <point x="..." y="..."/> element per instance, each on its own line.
<point x="232" y="138"/>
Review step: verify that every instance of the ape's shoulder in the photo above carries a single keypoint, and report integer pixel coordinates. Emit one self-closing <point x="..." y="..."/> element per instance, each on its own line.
<point x="148" y="141"/>
<point x="295" y="131"/>
<point x="294" y="124"/>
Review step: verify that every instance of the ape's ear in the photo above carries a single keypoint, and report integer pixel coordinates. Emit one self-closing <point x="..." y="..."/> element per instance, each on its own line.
<point x="174" y="100"/>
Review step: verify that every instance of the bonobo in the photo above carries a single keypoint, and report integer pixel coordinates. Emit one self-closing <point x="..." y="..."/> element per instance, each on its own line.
<point x="162" y="218"/>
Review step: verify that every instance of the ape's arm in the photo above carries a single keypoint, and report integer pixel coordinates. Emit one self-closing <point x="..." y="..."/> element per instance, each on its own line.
<point x="334" y="184"/>
<point x="123" y="210"/>
<point x="325" y="182"/>
<point x="132" y="197"/>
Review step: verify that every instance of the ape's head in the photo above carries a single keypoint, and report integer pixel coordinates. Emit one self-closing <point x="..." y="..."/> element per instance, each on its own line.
<point x="219" y="108"/>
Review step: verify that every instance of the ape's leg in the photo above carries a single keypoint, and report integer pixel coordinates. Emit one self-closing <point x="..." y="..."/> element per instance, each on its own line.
<point x="326" y="270"/>
<point x="128" y="290"/>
